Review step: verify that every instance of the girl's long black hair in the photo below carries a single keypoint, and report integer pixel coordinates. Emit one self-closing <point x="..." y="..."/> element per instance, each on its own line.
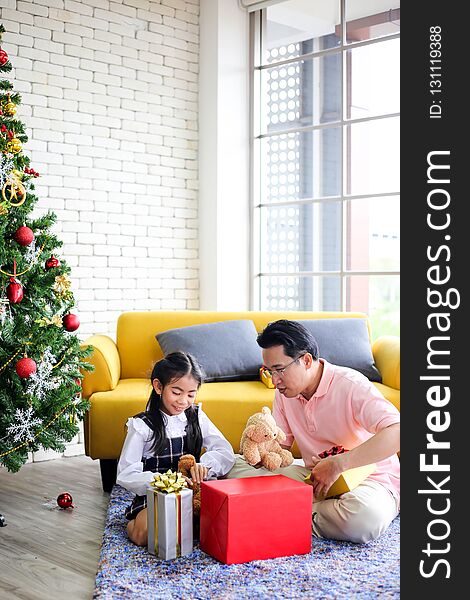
<point x="168" y="369"/>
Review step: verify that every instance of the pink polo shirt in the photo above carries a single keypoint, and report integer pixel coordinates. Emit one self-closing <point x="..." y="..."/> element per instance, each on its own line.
<point x="346" y="410"/>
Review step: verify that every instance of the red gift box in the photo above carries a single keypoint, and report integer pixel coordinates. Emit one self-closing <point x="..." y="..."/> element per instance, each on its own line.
<point x="255" y="518"/>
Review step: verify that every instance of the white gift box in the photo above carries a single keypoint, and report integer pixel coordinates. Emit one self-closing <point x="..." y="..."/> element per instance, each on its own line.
<point x="170" y="523"/>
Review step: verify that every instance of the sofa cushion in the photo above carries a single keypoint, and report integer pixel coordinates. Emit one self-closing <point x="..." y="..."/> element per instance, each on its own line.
<point x="226" y="350"/>
<point x="345" y="342"/>
<point x="136" y="331"/>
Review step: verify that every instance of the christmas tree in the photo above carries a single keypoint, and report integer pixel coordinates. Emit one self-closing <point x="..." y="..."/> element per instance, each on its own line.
<point x="40" y="358"/>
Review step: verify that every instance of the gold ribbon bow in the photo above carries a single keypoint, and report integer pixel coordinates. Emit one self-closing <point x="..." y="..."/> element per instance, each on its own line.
<point x="62" y="284"/>
<point x="168" y="482"/>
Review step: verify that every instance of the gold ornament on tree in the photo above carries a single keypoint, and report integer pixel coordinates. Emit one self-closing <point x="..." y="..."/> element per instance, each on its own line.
<point x="17" y="175"/>
<point x="14" y="145"/>
<point x="14" y="192"/>
<point x="62" y="286"/>
<point x="45" y="321"/>
<point x="10" y="108"/>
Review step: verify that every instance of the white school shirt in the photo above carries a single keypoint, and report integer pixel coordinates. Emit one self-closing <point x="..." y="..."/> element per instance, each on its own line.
<point x="218" y="456"/>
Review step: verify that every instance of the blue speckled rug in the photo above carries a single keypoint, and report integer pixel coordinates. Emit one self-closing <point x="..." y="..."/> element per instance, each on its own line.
<point x="332" y="570"/>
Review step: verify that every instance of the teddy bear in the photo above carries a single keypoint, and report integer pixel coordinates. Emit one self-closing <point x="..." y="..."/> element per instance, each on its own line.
<point x="260" y="442"/>
<point x="185" y="462"/>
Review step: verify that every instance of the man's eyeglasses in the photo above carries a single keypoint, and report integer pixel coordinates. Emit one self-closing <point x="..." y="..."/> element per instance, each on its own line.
<point x="280" y="372"/>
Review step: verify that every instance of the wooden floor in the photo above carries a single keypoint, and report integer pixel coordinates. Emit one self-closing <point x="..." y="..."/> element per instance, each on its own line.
<point x="47" y="553"/>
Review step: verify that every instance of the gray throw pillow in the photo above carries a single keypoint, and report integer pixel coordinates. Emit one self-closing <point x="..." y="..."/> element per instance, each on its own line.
<point x="227" y="350"/>
<point x="345" y="342"/>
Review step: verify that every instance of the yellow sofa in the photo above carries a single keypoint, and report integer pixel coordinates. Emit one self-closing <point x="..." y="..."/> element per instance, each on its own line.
<point x="119" y="386"/>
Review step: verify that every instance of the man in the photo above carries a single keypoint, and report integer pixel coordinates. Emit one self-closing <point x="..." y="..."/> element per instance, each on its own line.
<point x="322" y="405"/>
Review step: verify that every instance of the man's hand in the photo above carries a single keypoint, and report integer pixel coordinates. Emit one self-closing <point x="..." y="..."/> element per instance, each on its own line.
<point x="381" y="445"/>
<point x="324" y="473"/>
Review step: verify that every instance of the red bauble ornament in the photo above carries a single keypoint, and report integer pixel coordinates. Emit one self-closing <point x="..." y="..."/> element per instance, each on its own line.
<point x="65" y="500"/>
<point x="3" y="57"/>
<point x="52" y="262"/>
<point x="14" y="291"/>
<point x="25" y="367"/>
<point x="24" y="236"/>
<point x="71" y="322"/>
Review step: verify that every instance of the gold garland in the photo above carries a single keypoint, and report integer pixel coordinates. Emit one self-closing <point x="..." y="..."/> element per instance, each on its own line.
<point x="40" y="431"/>
<point x="14" y="356"/>
<point x="57" y="364"/>
<point x="72" y="418"/>
<point x="28" y="269"/>
<point x="9" y="360"/>
<point x="18" y="351"/>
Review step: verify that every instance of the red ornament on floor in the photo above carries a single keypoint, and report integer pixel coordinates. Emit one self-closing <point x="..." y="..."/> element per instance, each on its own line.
<point x="71" y="322"/>
<point x="65" y="500"/>
<point x="25" y="367"/>
<point x="24" y="236"/>
<point x="14" y="291"/>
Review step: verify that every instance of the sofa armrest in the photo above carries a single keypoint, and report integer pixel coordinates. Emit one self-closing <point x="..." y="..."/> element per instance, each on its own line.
<point x="105" y="358"/>
<point x="386" y="351"/>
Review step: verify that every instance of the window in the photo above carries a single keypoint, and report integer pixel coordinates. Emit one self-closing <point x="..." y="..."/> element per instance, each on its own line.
<point x="326" y="158"/>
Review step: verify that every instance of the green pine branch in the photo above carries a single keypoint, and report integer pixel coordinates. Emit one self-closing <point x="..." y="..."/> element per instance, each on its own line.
<point x="33" y="327"/>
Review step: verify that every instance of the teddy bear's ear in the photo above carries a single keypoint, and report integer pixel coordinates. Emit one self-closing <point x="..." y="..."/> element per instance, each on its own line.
<point x="281" y="435"/>
<point x="266" y="410"/>
<point x="249" y="431"/>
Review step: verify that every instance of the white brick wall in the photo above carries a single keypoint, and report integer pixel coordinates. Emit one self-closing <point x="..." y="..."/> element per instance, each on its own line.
<point x="110" y="102"/>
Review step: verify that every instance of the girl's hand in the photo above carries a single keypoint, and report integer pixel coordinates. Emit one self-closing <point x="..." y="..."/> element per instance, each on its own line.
<point x="199" y="472"/>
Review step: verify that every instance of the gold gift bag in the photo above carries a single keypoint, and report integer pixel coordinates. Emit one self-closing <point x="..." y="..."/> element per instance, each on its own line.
<point x="348" y="480"/>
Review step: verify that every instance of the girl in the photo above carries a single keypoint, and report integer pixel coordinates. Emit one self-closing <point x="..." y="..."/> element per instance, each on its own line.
<point x="172" y="425"/>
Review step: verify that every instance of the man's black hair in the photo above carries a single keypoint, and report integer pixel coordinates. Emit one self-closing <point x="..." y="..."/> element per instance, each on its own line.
<point x="294" y="337"/>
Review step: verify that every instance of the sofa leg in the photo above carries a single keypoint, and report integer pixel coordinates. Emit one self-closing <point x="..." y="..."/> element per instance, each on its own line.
<point x="108" y="468"/>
